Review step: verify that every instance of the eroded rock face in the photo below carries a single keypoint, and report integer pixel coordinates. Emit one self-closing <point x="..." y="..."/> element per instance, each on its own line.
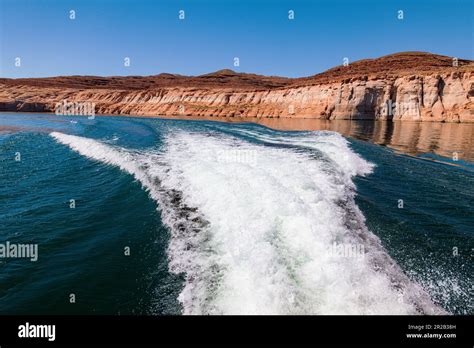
<point x="440" y="93"/>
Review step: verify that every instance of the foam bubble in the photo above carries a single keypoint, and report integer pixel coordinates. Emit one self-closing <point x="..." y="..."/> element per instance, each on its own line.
<point x="255" y="237"/>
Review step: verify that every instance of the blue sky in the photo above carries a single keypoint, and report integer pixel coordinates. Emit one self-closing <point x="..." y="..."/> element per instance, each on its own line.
<point x="213" y="32"/>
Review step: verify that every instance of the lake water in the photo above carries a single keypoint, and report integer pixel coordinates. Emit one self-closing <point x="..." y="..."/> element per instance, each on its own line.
<point x="168" y="216"/>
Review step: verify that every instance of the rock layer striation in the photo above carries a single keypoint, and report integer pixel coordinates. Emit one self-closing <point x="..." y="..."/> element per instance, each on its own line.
<point x="413" y="86"/>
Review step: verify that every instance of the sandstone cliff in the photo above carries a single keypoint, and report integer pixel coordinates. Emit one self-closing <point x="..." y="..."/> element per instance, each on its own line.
<point x="405" y="86"/>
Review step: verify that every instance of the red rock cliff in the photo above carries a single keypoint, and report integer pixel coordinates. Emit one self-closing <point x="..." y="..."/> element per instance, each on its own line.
<point x="403" y="86"/>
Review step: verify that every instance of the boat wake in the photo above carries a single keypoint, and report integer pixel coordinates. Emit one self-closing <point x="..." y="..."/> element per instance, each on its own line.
<point x="268" y="227"/>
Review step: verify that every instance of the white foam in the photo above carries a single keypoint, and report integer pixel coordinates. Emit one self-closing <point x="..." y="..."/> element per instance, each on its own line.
<point x="254" y="237"/>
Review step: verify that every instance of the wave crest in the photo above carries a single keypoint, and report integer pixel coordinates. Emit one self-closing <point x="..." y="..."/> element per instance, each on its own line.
<point x="259" y="228"/>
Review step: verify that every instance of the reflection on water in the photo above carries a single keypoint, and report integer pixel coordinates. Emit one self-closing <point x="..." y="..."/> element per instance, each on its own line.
<point x="443" y="139"/>
<point x="453" y="141"/>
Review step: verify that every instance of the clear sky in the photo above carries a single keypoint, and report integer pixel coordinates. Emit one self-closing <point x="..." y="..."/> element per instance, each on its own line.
<point x="258" y="32"/>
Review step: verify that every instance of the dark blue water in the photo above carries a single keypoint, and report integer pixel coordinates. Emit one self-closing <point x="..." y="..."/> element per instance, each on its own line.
<point x="180" y="196"/>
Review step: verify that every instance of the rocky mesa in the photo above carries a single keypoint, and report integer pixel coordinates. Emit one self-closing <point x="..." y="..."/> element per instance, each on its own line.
<point x="413" y="86"/>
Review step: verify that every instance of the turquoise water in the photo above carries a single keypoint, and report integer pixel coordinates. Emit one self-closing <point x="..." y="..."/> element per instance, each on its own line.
<point x="227" y="218"/>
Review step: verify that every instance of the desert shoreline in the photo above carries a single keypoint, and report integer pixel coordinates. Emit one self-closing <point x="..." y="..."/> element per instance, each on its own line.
<point x="406" y="86"/>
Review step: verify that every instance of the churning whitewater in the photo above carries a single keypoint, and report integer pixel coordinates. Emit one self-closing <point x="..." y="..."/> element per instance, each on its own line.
<point x="258" y="228"/>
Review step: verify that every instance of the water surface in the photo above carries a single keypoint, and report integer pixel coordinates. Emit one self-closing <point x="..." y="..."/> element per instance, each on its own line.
<point x="235" y="218"/>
